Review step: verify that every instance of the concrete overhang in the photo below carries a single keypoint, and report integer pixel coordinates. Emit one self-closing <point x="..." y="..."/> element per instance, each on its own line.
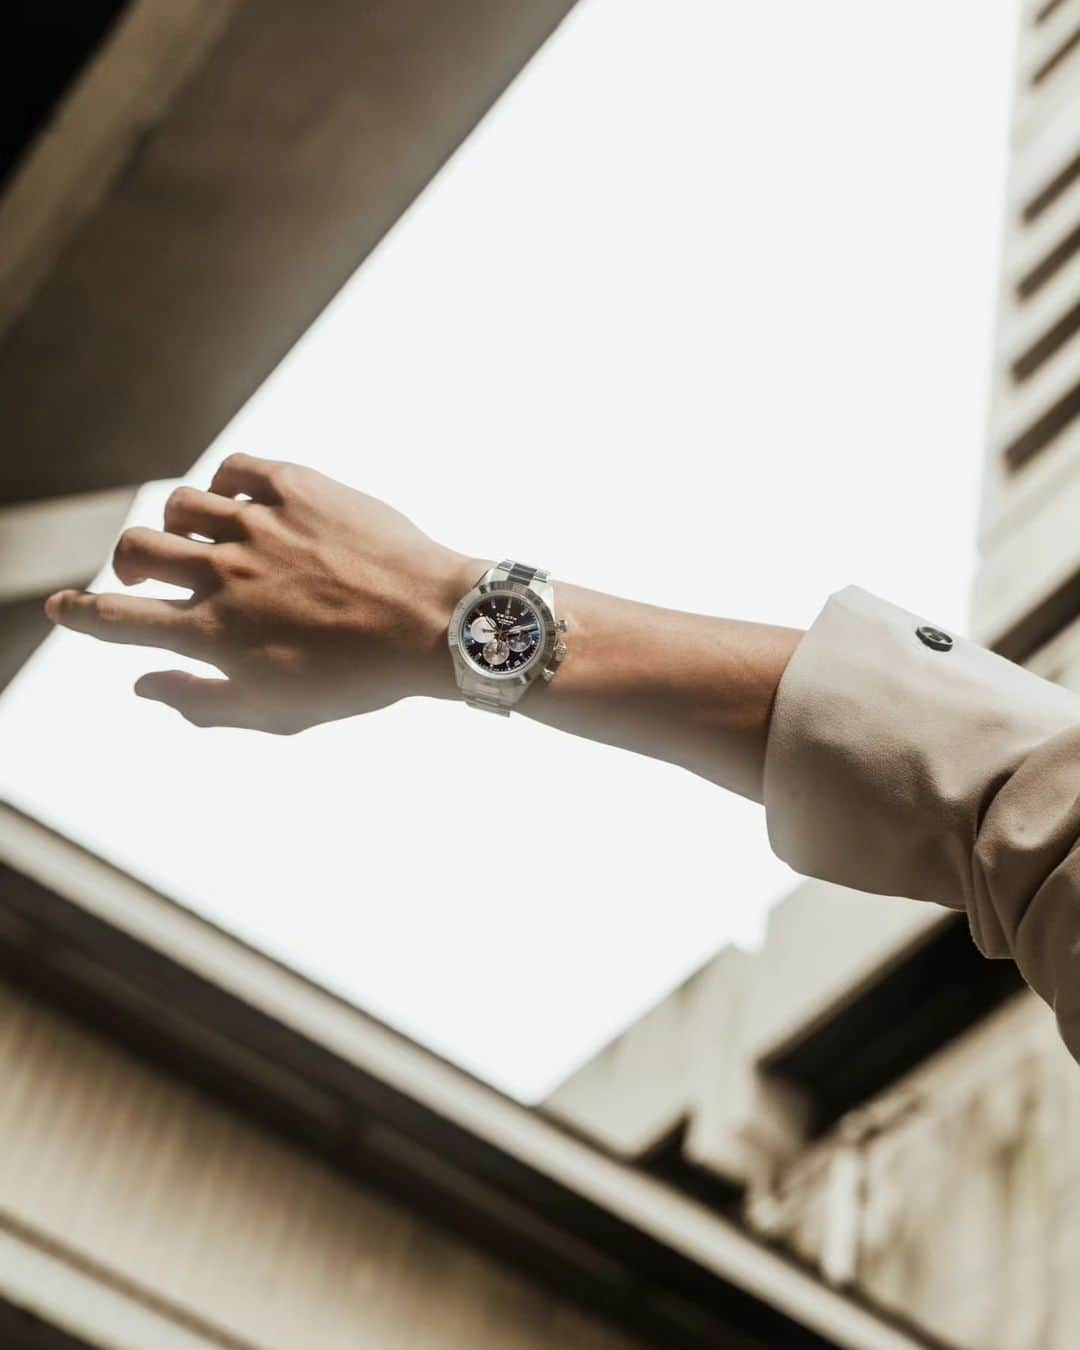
<point x="166" y="984"/>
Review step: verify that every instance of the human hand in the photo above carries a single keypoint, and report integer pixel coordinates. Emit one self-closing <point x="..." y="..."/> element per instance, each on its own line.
<point x="314" y="601"/>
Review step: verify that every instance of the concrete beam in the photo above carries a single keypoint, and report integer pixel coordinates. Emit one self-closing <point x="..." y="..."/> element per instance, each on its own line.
<point x="140" y="917"/>
<point x="221" y="224"/>
<point x="44" y="546"/>
<point x="56" y="1285"/>
<point x="96" y="130"/>
<point x="62" y="541"/>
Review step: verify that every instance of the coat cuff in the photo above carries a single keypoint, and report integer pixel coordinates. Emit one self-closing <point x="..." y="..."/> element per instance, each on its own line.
<point x="886" y="757"/>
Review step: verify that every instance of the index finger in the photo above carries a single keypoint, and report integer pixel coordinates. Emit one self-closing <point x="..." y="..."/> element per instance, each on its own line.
<point x="136" y="620"/>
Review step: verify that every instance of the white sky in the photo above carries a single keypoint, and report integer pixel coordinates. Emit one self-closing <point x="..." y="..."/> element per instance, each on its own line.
<point x="711" y="293"/>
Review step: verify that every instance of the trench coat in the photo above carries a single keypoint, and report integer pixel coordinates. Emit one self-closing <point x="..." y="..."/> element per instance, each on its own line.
<point x="904" y="759"/>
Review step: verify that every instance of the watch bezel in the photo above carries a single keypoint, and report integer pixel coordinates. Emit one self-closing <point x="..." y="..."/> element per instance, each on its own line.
<point x="544" y="648"/>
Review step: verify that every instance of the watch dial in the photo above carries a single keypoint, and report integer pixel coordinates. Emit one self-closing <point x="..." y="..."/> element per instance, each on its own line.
<point x="501" y="634"/>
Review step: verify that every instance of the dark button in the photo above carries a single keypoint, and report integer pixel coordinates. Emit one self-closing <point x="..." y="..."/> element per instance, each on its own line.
<point x="934" y="637"/>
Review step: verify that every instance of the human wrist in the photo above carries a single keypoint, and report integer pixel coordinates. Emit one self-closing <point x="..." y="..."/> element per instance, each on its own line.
<point x="446" y="576"/>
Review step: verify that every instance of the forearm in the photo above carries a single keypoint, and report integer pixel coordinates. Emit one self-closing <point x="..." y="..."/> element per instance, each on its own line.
<point x="687" y="688"/>
<point x="317" y="602"/>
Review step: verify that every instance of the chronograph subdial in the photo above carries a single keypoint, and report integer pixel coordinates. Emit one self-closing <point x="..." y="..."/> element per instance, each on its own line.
<point x="521" y="640"/>
<point x="497" y="652"/>
<point x="482" y="629"/>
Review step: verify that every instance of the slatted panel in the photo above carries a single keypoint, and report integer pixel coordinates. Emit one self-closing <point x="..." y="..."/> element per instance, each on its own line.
<point x="241" y="1241"/>
<point x="1029" y="579"/>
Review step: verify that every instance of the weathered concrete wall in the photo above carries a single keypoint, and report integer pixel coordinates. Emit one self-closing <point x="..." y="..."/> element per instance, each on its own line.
<point x="954" y="1199"/>
<point x="695" y="1058"/>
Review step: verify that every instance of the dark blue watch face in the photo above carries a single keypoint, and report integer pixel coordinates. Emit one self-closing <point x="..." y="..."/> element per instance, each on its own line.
<point x="501" y="634"/>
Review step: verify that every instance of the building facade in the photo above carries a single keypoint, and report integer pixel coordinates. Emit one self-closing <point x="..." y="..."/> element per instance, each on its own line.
<point x="896" y="1113"/>
<point x="201" y="1150"/>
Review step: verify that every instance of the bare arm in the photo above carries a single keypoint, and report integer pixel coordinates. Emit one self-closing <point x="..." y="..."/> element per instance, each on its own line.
<point x="683" y="687"/>
<point x="317" y="602"/>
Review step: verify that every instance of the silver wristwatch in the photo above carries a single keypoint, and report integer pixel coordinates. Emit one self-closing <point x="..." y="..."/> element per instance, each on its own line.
<point x="504" y="635"/>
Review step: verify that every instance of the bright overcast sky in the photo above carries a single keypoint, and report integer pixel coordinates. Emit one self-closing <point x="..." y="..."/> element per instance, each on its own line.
<point x="710" y="295"/>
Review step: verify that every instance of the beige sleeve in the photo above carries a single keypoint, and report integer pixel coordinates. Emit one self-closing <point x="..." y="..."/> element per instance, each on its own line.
<point x="951" y="776"/>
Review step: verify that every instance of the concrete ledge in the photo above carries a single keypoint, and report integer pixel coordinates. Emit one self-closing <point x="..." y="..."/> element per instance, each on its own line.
<point x="295" y="141"/>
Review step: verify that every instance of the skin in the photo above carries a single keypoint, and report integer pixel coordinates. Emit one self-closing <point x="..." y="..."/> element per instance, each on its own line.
<point x="317" y="602"/>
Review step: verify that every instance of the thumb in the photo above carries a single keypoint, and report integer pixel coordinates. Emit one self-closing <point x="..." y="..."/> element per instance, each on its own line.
<point x="204" y="702"/>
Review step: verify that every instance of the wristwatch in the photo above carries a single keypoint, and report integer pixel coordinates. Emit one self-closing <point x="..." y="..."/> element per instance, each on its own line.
<point x="504" y="636"/>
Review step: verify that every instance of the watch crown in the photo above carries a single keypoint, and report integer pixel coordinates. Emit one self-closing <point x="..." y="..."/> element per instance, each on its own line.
<point x="560" y="651"/>
<point x="560" y="625"/>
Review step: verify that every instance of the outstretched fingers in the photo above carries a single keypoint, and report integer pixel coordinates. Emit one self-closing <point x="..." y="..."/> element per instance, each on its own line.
<point x="142" y="554"/>
<point x="204" y="702"/>
<point x="189" y="511"/>
<point x="244" y="474"/>
<point x="137" y="620"/>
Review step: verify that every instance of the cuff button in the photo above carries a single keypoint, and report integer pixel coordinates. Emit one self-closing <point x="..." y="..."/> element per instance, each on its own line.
<point x="934" y="638"/>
